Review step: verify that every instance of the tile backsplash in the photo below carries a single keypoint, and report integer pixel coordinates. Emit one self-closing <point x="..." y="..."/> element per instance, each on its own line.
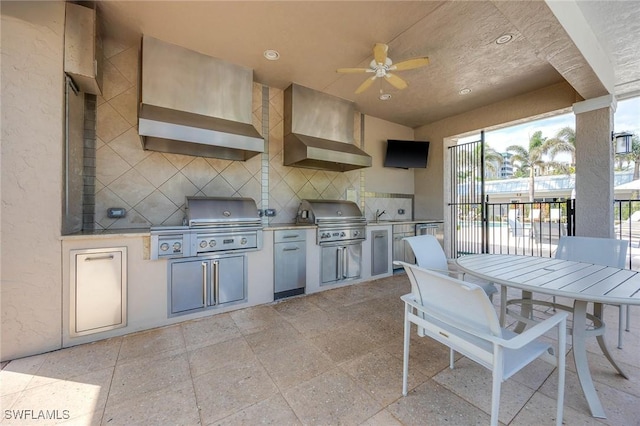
<point x="152" y="186"/>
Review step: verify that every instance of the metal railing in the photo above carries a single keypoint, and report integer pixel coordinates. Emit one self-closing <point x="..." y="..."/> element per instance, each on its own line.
<point x="626" y="217"/>
<point x="525" y="228"/>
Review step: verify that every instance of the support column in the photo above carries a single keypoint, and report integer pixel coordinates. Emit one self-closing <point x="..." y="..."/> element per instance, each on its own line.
<point x="594" y="167"/>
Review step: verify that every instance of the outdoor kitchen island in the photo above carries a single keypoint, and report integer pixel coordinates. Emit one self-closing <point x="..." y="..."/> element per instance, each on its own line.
<point x="146" y="297"/>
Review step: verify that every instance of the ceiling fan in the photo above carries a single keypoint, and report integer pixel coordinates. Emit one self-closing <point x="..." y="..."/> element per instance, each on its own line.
<point x="382" y="65"/>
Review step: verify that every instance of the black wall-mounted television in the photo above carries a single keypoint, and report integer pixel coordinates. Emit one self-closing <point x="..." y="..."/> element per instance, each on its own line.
<point x="406" y="154"/>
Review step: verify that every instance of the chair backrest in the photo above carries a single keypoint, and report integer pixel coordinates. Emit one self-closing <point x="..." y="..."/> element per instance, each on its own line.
<point x="428" y="252"/>
<point x="453" y="301"/>
<point x="516" y="227"/>
<point x="599" y="251"/>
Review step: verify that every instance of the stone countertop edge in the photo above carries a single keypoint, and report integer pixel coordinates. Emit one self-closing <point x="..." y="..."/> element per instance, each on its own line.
<point x="108" y="233"/>
<point x="145" y="232"/>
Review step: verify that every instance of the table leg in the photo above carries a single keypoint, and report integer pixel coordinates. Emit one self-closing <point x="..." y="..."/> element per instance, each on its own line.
<point x="597" y="311"/>
<point x="526" y="310"/>
<point x="580" y="359"/>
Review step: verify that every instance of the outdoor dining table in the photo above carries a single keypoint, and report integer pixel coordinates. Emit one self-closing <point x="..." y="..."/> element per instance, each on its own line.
<point x="583" y="282"/>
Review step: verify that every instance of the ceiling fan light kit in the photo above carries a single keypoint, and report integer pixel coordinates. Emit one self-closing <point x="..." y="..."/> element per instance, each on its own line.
<point x="381" y="67"/>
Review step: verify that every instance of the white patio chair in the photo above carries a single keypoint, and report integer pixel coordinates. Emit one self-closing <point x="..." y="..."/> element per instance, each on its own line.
<point x="517" y="229"/>
<point x="434" y="305"/>
<point x="429" y="255"/>
<point x="599" y="251"/>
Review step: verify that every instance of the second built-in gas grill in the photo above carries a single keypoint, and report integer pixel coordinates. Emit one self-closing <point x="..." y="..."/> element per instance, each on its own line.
<point x="212" y="225"/>
<point x="341" y="230"/>
<point x="337" y="220"/>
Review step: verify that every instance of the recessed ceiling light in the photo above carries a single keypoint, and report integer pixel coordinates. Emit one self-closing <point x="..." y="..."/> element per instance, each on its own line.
<point x="271" y="54"/>
<point x="465" y="91"/>
<point x="504" y="39"/>
<point x="384" y="96"/>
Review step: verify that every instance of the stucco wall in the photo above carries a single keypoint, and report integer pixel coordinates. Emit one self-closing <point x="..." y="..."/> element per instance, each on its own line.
<point x="430" y="195"/>
<point x="378" y="178"/>
<point x="32" y="134"/>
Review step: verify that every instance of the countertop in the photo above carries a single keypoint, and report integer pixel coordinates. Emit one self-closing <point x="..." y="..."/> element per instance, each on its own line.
<point x="145" y="232"/>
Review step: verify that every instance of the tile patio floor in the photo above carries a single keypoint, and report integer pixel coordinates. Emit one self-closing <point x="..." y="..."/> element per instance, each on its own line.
<point x="325" y="359"/>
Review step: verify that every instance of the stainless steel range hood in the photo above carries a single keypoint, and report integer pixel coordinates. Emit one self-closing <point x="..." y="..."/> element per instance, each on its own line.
<point x="318" y="131"/>
<point x="194" y="104"/>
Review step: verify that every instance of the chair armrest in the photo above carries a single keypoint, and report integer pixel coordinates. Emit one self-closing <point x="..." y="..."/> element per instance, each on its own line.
<point x="534" y="332"/>
<point x="513" y="343"/>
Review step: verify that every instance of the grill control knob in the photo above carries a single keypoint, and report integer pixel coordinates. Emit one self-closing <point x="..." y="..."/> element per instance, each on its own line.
<point x="343" y="234"/>
<point x="203" y="244"/>
<point x="356" y="233"/>
<point x="164" y="246"/>
<point x="176" y="247"/>
<point x="243" y="241"/>
<point x="212" y="243"/>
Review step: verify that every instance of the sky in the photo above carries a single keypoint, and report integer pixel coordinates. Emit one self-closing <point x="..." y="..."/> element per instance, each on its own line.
<point x="626" y="118"/>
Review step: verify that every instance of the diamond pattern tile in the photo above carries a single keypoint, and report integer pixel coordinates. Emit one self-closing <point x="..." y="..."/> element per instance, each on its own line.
<point x="126" y="104"/>
<point x="109" y="165"/>
<point x="321" y="181"/>
<point x="236" y="174"/>
<point x="308" y="192"/>
<point x="106" y="198"/>
<point x="177" y="188"/>
<point x="332" y="193"/>
<point x="157" y="169"/>
<point x="296" y="179"/>
<point x="218" y="187"/>
<point x="132" y="187"/>
<point x="252" y="189"/>
<point x="113" y="82"/>
<point x="129" y="148"/>
<point x="218" y="164"/>
<point x="199" y="172"/>
<point x="126" y="62"/>
<point x="109" y="124"/>
<point x="178" y="160"/>
<point x="253" y="165"/>
<point x="156" y="207"/>
<point x="281" y="192"/>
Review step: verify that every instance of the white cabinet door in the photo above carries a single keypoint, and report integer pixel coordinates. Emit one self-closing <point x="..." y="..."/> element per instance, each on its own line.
<point x="98" y="296"/>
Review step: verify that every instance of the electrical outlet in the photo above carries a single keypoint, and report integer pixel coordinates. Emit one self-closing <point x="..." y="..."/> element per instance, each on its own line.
<point x="269" y="212"/>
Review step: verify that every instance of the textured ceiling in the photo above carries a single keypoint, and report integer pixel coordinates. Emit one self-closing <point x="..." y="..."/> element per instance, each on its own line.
<point x="316" y="38"/>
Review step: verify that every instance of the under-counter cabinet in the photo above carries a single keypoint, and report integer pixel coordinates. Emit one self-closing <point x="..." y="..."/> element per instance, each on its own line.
<point x="98" y="290"/>
<point x="401" y="250"/>
<point x="290" y="272"/>
<point x="205" y="282"/>
<point x="379" y="252"/>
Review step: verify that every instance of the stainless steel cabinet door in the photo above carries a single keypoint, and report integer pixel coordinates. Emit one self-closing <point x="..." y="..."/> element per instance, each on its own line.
<point x="352" y="261"/>
<point x="98" y="299"/>
<point x="330" y="264"/>
<point x="290" y="267"/>
<point x="231" y="277"/>
<point x="189" y="285"/>
<point x="379" y="252"/>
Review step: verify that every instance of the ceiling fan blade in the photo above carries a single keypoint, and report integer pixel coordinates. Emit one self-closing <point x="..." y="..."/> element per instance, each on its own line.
<point x="364" y="86"/>
<point x="396" y="81"/>
<point x="380" y="53"/>
<point x="410" y="64"/>
<point x="353" y="70"/>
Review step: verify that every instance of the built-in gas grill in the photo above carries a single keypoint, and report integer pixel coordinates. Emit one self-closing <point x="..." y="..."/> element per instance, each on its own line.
<point x="337" y="220"/>
<point x="341" y="230"/>
<point x="213" y="225"/>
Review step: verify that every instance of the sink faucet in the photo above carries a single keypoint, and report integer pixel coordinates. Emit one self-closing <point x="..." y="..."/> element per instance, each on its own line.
<point x="378" y="214"/>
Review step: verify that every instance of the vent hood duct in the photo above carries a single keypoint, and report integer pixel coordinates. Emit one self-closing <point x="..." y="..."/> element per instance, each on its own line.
<point x="194" y="104"/>
<point x="318" y="131"/>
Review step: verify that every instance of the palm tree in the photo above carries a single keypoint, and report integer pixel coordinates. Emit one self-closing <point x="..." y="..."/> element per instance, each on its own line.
<point x="563" y="142"/>
<point x="528" y="160"/>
